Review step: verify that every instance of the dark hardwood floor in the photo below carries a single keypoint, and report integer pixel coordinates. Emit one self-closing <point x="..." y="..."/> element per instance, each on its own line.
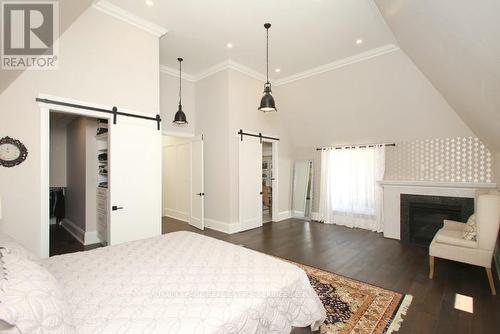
<point x="62" y="242"/>
<point x="368" y="257"/>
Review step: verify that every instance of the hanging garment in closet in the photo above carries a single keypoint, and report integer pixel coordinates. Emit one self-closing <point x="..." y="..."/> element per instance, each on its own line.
<point x="57" y="204"/>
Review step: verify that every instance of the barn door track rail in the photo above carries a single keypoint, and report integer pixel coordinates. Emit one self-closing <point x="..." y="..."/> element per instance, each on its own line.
<point x="114" y="111"/>
<point x="260" y="136"/>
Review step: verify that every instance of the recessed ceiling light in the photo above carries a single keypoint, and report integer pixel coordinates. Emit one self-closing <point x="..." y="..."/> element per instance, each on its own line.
<point x="277" y="70"/>
<point x="229" y="45"/>
<point x="149" y="3"/>
<point x="359" y="41"/>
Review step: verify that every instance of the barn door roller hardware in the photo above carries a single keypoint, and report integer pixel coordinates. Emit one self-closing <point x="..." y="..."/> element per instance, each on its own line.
<point x="260" y="136"/>
<point x="114" y="111"/>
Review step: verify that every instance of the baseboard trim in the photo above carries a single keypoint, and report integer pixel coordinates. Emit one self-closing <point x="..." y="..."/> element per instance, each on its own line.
<point x="283" y="215"/>
<point x="299" y="214"/>
<point x="175" y="214"/>
<point x="91" y="237"/>
<point x="85" y="238"/>
<point x="224" y="227"/>
<point x="74" y="230"/>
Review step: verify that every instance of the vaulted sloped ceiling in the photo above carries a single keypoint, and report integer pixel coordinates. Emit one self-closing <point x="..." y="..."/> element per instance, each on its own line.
<point x="381" y="99"/>
<point x="69" y="11"/>
<point x="456" y="44"/>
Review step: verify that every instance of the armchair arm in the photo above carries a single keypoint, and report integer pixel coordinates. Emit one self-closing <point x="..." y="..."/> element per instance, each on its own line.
<point x="453" y="225"/>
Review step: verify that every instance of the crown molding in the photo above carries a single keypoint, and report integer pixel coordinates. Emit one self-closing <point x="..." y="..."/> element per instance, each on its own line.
<point x="338" y="64"/>
<point x="175" y="73"/>
<point x="245" y="70"/>
<point x="212" y="70"/>
<point x="233" y="65"/>
<point x="224" y="65"/>
<point x="126" y="16"/>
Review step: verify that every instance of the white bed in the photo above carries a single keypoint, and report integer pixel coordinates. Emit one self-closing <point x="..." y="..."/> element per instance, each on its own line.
<point x="184" y="282"/>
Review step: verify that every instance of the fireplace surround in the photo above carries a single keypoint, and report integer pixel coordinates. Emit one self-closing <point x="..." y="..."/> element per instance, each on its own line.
<point x="422" y="215"/>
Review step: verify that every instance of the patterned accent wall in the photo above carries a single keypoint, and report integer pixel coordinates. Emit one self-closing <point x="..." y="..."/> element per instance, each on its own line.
<point x="440" y="160"/>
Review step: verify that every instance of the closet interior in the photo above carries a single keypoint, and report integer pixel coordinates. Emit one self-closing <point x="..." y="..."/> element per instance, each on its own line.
<point x="79" y="171"/>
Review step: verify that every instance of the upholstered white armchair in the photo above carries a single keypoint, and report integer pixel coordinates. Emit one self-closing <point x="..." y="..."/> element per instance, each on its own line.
<point x="448" y="243"/>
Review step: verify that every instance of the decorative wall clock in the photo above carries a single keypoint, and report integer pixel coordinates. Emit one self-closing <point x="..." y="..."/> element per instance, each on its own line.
<point x="12" y="152"/>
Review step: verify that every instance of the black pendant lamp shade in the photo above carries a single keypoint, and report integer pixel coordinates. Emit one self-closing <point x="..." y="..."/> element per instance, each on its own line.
<point x="267" y="102"/>
<point x="180" y="116"/>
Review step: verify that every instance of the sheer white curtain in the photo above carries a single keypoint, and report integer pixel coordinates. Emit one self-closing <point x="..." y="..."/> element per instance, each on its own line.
<point x="350" y="194"/>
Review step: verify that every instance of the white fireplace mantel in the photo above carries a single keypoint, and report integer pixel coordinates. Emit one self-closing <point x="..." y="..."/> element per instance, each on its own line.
<point x="439" y="184"/>
<point x="394" y="189"/>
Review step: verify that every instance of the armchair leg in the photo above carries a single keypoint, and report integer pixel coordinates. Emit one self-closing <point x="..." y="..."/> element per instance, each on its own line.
<point x="490" y="280"/>
<point x="431" y="267"/>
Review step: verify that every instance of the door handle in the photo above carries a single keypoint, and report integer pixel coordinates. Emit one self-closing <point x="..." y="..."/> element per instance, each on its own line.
<point x="201" y="194"/>
<point x="114" y="207"/>
<point x="261" y="192"/>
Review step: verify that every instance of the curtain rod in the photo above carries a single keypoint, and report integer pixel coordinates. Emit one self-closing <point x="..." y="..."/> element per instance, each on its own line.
<point x="113" y="111"/>
<point x="241" y="133"/>
<point x="353" y="146"/>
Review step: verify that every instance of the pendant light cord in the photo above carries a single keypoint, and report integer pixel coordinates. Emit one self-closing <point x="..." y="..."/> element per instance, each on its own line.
<point x="180" y="82"/>
<point x="267" y="54"/>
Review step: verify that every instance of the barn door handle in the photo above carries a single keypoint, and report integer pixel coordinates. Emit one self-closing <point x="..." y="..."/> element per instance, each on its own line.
<point x="114" y="207"/>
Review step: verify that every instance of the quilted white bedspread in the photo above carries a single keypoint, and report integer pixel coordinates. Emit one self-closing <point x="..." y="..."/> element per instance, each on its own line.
<point x="184" y="282"/>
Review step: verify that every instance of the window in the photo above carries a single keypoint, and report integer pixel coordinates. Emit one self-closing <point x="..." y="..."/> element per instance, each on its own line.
<point x="352" y="181"/>
<point x="350" y="194"/>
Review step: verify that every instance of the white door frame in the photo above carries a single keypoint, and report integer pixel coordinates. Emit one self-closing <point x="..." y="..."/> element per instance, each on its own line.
<point x="45" y="109"/>
<point x="202" y="190"/>
<point x="183" y="135"/>
<point x="275" y="178"/>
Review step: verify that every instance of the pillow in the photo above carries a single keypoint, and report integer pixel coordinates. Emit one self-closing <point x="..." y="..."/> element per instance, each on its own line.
<point x="14" y="247"/>
<point x="30" y="299"/>
<point x="470" y="230"/>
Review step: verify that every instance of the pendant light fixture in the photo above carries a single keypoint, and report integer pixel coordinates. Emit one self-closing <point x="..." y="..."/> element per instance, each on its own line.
<point x="180" y="116"/>
<point x="267" y="102"/>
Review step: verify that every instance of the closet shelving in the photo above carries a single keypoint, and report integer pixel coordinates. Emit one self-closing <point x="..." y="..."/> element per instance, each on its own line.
<point x="102" y="180"/>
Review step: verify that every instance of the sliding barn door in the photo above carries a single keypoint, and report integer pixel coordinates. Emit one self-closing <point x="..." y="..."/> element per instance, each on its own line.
<point x="250" y="182"/>
<point x="197" y="189"/>
<point x="134" y="180"/>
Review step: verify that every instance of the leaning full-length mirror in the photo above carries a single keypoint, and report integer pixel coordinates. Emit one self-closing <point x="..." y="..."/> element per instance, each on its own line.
<point x="302" y="189"/>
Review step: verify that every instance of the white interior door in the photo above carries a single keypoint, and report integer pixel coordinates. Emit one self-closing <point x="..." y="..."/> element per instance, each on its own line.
<point x="196" y="218"/>
<point x="134" y="180"/>
<point x="250" y="182"/>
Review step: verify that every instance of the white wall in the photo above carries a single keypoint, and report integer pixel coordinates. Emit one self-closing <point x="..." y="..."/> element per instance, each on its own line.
<point x="76" y="173"/>
<point x="81" y="192"/>
<point x="226" y="102"/>
<point x="96" y="65"/>
<point x="212" y="120"/>
<point x="455" y="43"/>
<point x="176" y="174"/>
<point x="169" y="101"/>
<point x="57" y="154"/>
<point x="381" y="99"/>
<point x="244" y="97"/>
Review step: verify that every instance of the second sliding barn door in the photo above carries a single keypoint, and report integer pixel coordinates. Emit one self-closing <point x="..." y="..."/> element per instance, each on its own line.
<point x="134" y="180"/>
<point x="250" y="183"/>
